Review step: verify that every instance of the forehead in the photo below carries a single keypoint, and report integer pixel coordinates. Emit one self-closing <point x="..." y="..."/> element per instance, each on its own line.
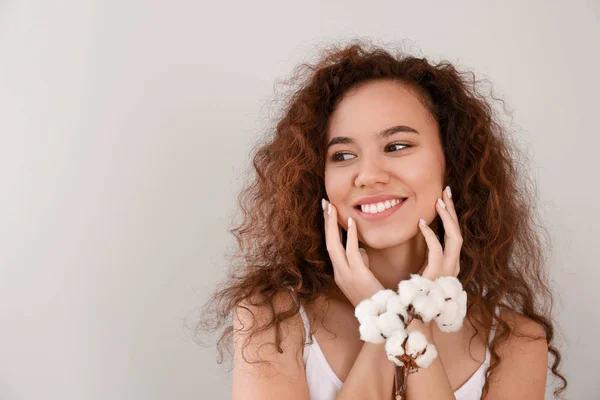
<point x="376" y="106"/>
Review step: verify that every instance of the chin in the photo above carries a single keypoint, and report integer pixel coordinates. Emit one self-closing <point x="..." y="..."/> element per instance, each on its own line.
<point x="384" y="240"/>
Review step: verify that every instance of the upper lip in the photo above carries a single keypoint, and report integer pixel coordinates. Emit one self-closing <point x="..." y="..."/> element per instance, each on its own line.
<point x="376" y="199"/>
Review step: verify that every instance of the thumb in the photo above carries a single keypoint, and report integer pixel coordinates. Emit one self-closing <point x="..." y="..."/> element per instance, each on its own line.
<point x="365" y="257"/>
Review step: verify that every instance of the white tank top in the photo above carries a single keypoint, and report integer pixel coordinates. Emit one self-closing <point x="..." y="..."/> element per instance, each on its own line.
<point x="323" y="383"/>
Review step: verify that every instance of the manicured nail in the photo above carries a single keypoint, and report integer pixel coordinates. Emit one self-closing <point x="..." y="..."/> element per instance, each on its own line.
<point x="423" y="222"/>
<point x="329" y="209"/>
<point x="448" y="191"/>
<point x="323" y="204"/>
<point x="349" y="222"/>
<point x="441" y="203"/>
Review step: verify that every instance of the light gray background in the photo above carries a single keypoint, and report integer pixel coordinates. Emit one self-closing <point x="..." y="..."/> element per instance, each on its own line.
<point x="126" y="126"/>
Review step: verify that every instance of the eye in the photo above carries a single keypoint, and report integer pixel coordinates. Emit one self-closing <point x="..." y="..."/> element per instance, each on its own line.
<point x="336" y="156"/>
<point x="399" y="144"/>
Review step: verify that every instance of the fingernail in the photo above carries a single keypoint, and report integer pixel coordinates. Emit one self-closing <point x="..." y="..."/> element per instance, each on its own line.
<point x="448" y="191"/>
<point x="349" y="222"/>
<point x="441" y="203"/>
<point x="323" y="204"/>
<point x="423" y="222"/>
<point x="329" y="209"/>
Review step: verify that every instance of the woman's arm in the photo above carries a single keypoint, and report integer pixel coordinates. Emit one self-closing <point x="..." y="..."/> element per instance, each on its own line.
<point x="284" y="376"/>
<point x="429" y="383"/>
<point x="521" y="374"/>
<point x="371" y="376"/>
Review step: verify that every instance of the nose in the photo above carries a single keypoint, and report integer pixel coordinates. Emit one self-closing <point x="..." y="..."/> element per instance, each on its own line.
<point x="371" y="172"/>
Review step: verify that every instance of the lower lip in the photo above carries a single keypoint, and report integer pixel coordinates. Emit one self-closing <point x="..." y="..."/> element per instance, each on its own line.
<point x="380" y="215"/>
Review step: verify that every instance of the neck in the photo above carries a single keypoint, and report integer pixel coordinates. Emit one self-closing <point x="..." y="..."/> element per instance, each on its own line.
<point x="394" y="264"/>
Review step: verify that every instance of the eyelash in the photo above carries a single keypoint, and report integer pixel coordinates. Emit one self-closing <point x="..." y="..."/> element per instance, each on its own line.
<point x="333" y="157"/>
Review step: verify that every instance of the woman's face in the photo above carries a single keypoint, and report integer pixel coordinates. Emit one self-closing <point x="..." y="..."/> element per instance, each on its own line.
<point x="407" y="162"/>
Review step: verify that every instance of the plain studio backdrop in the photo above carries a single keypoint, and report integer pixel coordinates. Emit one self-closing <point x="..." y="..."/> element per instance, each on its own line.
<point x="126" y="128"/>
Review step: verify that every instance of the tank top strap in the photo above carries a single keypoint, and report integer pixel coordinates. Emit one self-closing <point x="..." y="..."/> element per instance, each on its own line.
<point x="305" y="320"/>
<point x="493" y="328"/>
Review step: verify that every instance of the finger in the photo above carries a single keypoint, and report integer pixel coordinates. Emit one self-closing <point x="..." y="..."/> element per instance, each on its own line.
<point x="424" y="264"/>
<point x="365" y="256"/>
<point x="352" y="253"/>
<point x="435" y="255"/>
<point x="452" y="238"/>
<point x="333" y="240"/>
<point x="447" y="198"/>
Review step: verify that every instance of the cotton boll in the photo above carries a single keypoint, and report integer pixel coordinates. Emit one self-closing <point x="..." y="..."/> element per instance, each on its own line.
<point x="427" y="306"/>
<point x="393" y="359"/>
<point x="365" y="309"/>
<point x="449" y="313"/>
<point x="453" y="327"/>
<point x="450" y="286"/>
<point x="416" y="342"/>
<point x="369" y="331"/>
<point x="396" y="306"/>
<point x="407" y="291"/>
<point x="437" y="296"/>
<point x="389" y="323"/>
<point x="425" y="359"/>
<point x="381" y="298"/>
<point x="423" y="284"/>
<point x="450" y="317"/>
<point x="462" y="304"/>
<point x="393" y="347"/>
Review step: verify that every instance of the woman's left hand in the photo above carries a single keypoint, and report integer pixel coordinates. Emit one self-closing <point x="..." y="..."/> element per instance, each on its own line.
<point x="443" y="261"/>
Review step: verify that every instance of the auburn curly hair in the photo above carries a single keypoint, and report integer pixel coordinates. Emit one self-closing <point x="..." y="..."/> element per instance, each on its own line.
<point x="281" y="239"/>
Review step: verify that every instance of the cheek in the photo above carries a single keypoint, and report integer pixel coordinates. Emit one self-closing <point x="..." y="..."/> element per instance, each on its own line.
<point x="425" y="178"/>
<point x="333" y="186"/>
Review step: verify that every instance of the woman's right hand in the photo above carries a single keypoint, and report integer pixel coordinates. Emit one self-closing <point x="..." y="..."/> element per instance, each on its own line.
<point x="351" y="265"/>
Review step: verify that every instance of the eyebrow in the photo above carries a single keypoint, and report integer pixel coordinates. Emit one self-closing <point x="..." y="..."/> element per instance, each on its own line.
<point x="381" y="135"/>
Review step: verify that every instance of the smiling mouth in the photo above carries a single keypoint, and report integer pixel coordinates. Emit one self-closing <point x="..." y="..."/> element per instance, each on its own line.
<point x="366" y="211"/>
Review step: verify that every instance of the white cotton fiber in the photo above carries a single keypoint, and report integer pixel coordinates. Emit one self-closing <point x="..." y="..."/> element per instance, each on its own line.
<point x="462" y="304"/>
<point x="425" y="359"/>
<point x="369" y="331"/>
<point x="449" y="313"/>
<point x="407" y="291"/>
<point x="437" y="295"/>
<point x="450" y="286"/>
<point x="381" y="298"/>
<point x="429" y="306"/>
<point x="365" y="309"/>
<point x="423" y="284"/>
<point x="449" y="320"/>
<point x="396" y="306"/>
<point x="393" y="347"/>
<point x="389" y="323"/>
<point x="416" y="343"/>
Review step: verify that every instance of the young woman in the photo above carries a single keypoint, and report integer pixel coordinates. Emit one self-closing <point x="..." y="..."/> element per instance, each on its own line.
<point x="371" y="143"/>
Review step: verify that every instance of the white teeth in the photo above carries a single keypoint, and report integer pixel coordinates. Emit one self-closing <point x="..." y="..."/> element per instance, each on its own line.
<point x="379" y="207"/>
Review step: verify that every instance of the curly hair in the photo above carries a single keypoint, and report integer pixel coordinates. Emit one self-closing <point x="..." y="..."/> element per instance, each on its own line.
<point x="281" y="240"/>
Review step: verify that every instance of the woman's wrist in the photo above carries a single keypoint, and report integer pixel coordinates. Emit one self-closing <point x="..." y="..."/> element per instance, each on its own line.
<point x="425" y="328"/>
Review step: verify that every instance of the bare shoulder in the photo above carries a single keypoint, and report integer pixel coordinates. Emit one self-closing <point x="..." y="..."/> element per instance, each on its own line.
<point x="261" y="367"/>
<point x="522" y="371"/>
